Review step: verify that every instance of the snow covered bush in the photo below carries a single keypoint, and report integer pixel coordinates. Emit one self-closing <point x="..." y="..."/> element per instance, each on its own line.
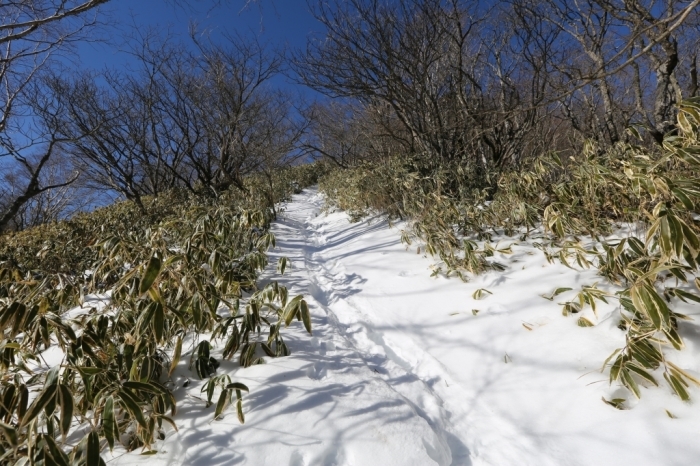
<point x="95" y="311"/>
<point x="654" y="190"/>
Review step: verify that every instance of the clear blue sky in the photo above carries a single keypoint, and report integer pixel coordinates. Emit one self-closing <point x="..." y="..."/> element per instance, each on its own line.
<point x="278" y="23"/>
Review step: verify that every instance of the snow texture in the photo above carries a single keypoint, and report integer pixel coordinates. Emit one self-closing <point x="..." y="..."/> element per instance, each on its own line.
<point x="400" y="370"/>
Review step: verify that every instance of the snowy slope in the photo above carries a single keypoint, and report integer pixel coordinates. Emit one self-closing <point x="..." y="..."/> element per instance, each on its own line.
<point x="400" y="371"/>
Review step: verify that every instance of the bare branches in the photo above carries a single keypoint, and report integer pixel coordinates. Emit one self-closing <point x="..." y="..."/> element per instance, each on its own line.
<point x="488" y="87"/>
<point x="201" y="121"/>
<point x="30" y="32"/>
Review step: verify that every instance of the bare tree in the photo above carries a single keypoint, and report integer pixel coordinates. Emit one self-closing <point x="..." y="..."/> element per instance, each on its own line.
<point x="449" y="71"/>
<point x="347" y="133"/>
<point x="402" y="55"/>
<point x="202" y="121"/>
<point x="621" y="61"/>
<point x="31" y="33"/>
<point x="113" y="132"/>
<point x="231" y="97"/>
<point x="51" y="205"/>
<point x="486" y="85"/>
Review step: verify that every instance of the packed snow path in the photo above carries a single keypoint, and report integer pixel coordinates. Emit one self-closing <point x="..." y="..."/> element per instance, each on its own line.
<point x="401" y="371"/>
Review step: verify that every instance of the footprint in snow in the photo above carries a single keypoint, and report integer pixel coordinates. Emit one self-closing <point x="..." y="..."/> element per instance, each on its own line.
<point x="297" y="459"/>
<point x="316" y="371"/>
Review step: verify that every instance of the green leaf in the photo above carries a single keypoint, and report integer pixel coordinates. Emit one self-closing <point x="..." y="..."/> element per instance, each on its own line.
<point x="239" y="411"/>
<point x="9" y="433"/>
<point x="556" y="292"/>
<point x="683" y="373"/>
<point x="665" y="237"/>
<point x="131" y="405"/>
<point x="617" y="403"/>
<point x="143" y="386"/>
<point x="67" y="406"/>
<point x="247" y="354"/>
<point x="109" y="424"/>
<point x="677" y="386"/>
<point x="616" y="368"/>
<point x="290" y="310"/>
<point x="237" y="386"/>
<point x="305" y="315"/>
<point x="176" y="356"/>
<point x="676" y="235"/>
<point x="93" y="449"/>
<point x="684" y="295"/>
<point x="168" y="420"/>
<point x="40" y="402"/>
<point x="642" y="373"/>
<point x="224" y="400"/>
<point x="282" y="264"/>
<point x="53" y="453"/>
<point x="629" y="382"/>
<point x="583" y="322"/>
<point x="152" y="271"/>
<point x="158" y="322"/>
<point x="674" y="338"/>
<point x="691" y="239"/>
<point x="480" y="293"/>
<point x="607" y="360"/>
<point x="683" y="198"/>
<point x="52" y="376"/>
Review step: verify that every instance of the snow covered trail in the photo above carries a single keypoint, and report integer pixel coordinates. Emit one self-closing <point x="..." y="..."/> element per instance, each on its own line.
<point x="517" y="383"/>
<point x="325" y="404"/>
<point x="405" y="369"/>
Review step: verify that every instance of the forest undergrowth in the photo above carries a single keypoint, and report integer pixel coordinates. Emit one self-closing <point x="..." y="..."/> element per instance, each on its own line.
<point x="179" y="276"/>
<point x="450" y="209"/>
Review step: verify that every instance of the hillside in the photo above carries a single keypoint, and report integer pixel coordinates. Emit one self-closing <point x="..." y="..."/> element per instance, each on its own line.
<point x="404" y="368"/>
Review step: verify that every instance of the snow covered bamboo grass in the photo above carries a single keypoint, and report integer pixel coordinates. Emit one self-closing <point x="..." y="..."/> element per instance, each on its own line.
<point x="592" y="194"/>
<point x="184" y="273"/>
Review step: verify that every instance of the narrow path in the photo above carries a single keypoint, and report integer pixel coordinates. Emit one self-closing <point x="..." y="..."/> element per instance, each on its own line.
<point x="406" y="431"/>
<point x="333" y="289"/>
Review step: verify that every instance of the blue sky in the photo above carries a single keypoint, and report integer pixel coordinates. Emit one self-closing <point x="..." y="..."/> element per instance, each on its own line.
<point x="278" y="23"/>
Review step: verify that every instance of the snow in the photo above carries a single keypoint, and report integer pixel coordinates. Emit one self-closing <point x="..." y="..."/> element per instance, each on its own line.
<point x="401" y="371"/>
